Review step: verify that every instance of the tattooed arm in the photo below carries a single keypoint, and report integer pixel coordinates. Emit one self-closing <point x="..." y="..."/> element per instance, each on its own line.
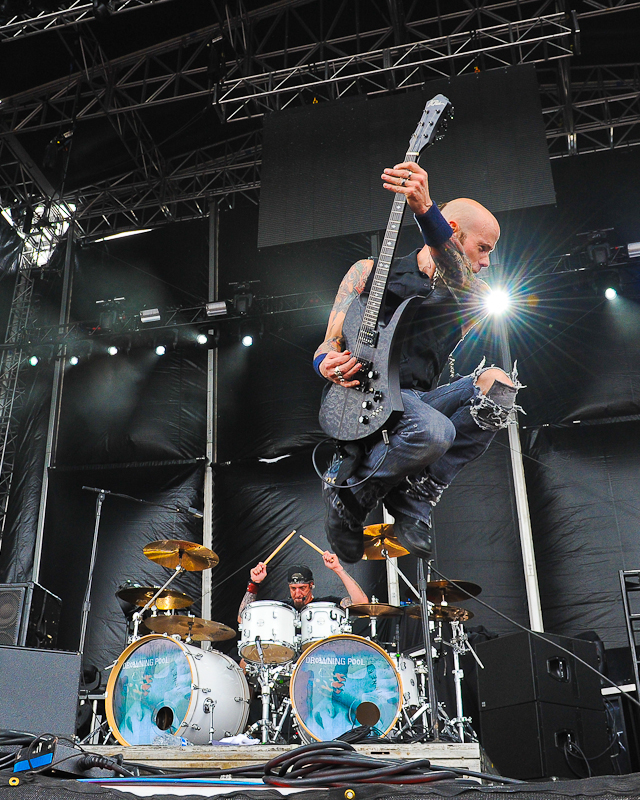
<point x="332" y="348"/>
<point x="258" y="574"/>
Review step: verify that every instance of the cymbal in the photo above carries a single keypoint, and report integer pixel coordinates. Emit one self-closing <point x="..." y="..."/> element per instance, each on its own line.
<point x="200" y="630"/>
<point x="447" y="613"/>
<point x="443" y="592"/>
<point x="190" y="555"/>
<point x="374" y="610"/>
<point x="167" y="600"/>
<point x="378" y="538"/>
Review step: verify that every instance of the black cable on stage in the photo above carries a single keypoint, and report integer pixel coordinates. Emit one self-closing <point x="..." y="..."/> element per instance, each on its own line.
<point x="537" y="634"/>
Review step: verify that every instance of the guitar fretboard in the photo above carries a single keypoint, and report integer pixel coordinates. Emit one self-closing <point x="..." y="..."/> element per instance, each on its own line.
<point x="374" y="303"/>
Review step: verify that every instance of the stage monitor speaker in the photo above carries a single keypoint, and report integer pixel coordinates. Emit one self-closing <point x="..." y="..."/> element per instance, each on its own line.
<point x="39" y="691"/>
<point x="522" y="668"/>
<point x="29" y="615"/>
<point x="544" y="740"/>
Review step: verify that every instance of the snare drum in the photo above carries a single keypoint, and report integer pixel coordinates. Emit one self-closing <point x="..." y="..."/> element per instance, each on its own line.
<point x="275" y="625"/>
<point x="319" y="621"/>
<point x="161" y="685"/>
<point x="342" y="682"/>
<point x="409" y="681"/>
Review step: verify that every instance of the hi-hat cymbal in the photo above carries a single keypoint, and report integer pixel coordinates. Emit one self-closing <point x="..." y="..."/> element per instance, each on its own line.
<point x="447" y="613"/>
<point x="378" y="538"/>
<point x="200" y="630"/>
<point x="443" y="592"/>
<point x="167" y="600"/>
<point x="190" y="555"/>
<point x="374" y="610"/>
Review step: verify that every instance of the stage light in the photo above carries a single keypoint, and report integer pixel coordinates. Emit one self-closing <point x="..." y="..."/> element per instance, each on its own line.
<point x="150" y="315"/>
<point x="216" y="309"/>
<point x="33" y="360"/>
<point x="247" y="340"/>
<point x="161" y="350"/>
<point x="633" y="249"/>
<point x="121" y="235"/>
<point x="73" y="361"/>
<point x="202" y="338"/>
<point x="497" y="301"/>
<point x="112" y="350"/>
<point x="610" y="293"/>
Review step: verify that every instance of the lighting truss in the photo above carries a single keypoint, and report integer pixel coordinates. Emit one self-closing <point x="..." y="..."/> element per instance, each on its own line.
<point x="23" y="25"/>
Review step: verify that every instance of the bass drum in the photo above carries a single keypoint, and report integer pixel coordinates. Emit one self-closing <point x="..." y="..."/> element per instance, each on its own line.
<point x="343" y="682"/>
<point x="161" y="686"/>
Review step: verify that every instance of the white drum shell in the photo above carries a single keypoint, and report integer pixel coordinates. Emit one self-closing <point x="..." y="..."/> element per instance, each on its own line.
<point x="207" y="687"/>
<point x="275" y="624"/>
<point x="408" y="681"/>
<point x="320" y="621"/>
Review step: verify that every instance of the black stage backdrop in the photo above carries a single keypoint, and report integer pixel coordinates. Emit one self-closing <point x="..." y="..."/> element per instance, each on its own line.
<point x="137" y="425"/>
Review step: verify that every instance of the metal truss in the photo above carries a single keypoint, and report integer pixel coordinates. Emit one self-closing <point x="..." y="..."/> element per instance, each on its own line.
<point x="269" y="72"/>
<point x="180" y="321"/>
<point x="180" y="193"/>
<point x="22" y="25"/>
<point x="590" y="109"/>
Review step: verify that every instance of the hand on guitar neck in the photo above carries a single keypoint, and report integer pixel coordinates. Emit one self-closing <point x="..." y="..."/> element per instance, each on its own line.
<point x="412" y="181"/>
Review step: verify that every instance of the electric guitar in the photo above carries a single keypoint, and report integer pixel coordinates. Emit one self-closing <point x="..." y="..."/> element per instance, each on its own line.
<point x="358" y="412"/>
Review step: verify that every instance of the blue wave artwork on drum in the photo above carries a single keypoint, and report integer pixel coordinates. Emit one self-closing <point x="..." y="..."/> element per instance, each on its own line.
<point x="154" y="676"/>
<point x="334" y="677"/>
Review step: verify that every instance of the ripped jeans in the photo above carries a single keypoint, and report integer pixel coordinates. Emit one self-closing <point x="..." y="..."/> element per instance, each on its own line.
<point x="439" y="432"/>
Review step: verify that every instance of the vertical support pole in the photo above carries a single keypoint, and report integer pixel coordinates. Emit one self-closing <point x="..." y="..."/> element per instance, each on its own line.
<point x="56" y="402"/>
<point x="393" y="582"/>
<point x="211" y="450"/>
<point x="522" y="503"/>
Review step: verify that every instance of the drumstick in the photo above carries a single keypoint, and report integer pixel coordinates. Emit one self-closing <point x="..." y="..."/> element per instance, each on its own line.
<point x="311" y="544"/>
<point x="279" y="547"/>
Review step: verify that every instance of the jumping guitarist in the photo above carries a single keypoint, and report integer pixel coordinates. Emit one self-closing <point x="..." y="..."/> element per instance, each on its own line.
<point x="441" y="428"/>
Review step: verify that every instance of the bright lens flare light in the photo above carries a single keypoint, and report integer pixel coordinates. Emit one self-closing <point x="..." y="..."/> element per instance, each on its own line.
<point x="610" y="293"/>
<point x="113" y="350"/>
<point x="247" y="341"/>
<point x="497" y="301"/>
<point x="202" y="338"/>
<point x="73" y="361"/>
<point x="161" y="350"/>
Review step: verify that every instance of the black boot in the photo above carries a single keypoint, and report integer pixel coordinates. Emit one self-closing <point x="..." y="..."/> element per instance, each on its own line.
<point x="413" y="534"/>
<point x="342" y="526"/>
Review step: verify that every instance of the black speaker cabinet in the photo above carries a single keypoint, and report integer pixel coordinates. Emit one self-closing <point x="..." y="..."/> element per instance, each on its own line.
<point x="39" y="690"/>
<point x="29" y="615"/>
<point x="521" y="668"/>
<point x="533" y="740"/>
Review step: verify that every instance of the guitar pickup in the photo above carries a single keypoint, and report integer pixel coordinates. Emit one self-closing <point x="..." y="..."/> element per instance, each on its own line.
<point x="369" y="337"/>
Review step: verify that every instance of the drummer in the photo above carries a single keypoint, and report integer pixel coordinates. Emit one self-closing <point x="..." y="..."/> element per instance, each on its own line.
<point x="300" y="579"/>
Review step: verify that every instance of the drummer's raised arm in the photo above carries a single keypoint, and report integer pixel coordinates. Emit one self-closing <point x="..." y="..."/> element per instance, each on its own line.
<point x="356" y="595"/>
<point x="258" y="574"/>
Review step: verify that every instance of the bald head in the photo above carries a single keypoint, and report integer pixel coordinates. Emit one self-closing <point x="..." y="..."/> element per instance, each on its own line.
<point x="476" y="228"/>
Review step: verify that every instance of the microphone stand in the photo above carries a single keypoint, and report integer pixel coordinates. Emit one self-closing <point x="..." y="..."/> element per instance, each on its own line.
<point x="86" y="605"/>
<point x="431" y="684"/>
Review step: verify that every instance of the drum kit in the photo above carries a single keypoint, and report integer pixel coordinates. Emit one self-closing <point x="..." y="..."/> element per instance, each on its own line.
<point x="307" y="666"/>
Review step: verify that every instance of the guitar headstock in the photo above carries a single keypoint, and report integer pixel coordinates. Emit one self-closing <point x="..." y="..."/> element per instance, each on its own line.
<point x="433" y="123"/>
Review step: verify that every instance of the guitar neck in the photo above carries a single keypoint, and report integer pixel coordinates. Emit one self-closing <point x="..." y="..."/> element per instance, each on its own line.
<point x="387" y="251"/>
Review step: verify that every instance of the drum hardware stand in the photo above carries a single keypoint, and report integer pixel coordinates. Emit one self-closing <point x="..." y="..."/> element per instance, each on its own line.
<point x="459" y="645"/>
<point x="423" y="578"/>
<point x="137" y="616"/>
<point x="208" y="707"/>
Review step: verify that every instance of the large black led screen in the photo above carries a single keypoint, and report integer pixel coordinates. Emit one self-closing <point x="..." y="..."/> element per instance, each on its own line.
<point x="322" y="163"/>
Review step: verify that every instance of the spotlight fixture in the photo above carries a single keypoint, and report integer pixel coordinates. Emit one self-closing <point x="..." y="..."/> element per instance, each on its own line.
<point x="216" y="309"/>
<point x="610" y="293"/>
<point x="497" y="301"/>
<point x="112" y="350"/>
<point x="121" y="235"/>
<point x="202" y="338"/>
<point x="150" y="315"/>
<point x="33" y="360"/>
<point x="247" y="340"/>
<point x="161" y="350"/>
<point x="74" y="360"/>
<point x="633" y="249"/>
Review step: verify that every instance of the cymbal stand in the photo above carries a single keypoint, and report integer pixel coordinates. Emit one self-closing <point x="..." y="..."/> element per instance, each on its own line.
<point x="423" y="578"/>
<point x="459" y="645"/>
<point x="264" y="679"/>
<point x="137" y="617"/>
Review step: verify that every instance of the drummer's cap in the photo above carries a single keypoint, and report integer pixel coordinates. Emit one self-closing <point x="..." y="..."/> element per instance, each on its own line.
<point x="299" y="574"/>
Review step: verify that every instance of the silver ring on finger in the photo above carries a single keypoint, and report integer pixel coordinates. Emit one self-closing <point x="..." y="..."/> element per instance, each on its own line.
<point x="337" y="372"/>
<point x="341" y="379"/>
<point x="403" y="182"/>
<point x="409" y="175"/>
